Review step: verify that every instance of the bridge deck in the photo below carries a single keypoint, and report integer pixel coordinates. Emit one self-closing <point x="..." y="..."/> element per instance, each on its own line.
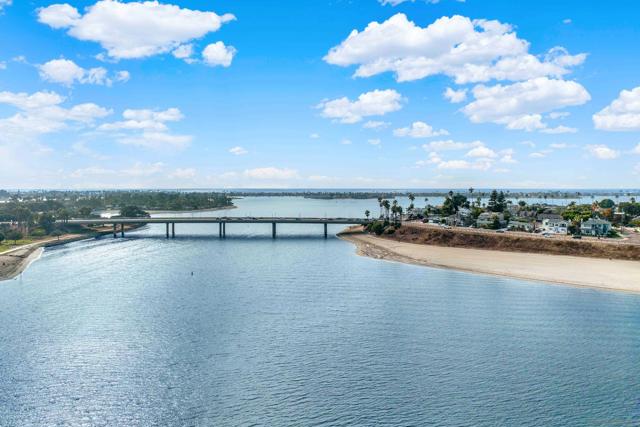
<point x="216" y="220"/>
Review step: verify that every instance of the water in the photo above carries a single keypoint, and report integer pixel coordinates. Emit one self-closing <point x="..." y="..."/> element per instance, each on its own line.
<point x="301" y="331"/>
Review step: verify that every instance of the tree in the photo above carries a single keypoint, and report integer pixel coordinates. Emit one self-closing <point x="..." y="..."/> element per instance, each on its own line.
<point x="47" y="222"/>
<point x="493" y="201"/>
<point x="133" y="212"/>
<point x="367" y="213"/>
<point x="56" y="233"/>
<point x="501" y="202"/>
<point x="85" y="211"/>
<point x="606" y="204"/>
<point x="386" y="205"/>
<point x="1" y="236"/>
<point x="63" y="214"/>
<point x="14" y="235"/>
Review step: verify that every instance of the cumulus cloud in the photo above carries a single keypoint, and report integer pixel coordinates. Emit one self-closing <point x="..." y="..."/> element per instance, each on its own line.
<point x="464" y="49"/>
<point x="374" y="141"/>
<point x="135" y="29"/>
<point x="5" y="3"/>
<point x="419" y="130"/>
<point x="218" y="54"/>
<point x="636" y="149"/>
<point x="374" y="103"/>
<point x="375" y="124"/>
<point x="147" y="128"/>
<point x="623" y="114"/>
<point x="271" y="173"/>
<point x="238" y="151"/>
<point x="602" y="152"/>
<point x="42" y="113"/>
<point x="455" y="96"/>
<point x="67" y="72"/>
<point x="482" y="152"/>
<point x="521" y="105"/>
<point x="450" y="145"/>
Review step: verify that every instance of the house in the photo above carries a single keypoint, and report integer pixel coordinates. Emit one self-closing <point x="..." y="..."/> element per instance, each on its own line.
<point x="520" y="225"/>
<point x="595" y="227"/>
<point x="558" y="226"/>
<point x="551" y="216"/>
<point x="486" y="219"/>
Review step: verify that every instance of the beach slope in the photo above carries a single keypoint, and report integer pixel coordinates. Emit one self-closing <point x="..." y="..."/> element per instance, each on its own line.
<point x="620" y="275"/>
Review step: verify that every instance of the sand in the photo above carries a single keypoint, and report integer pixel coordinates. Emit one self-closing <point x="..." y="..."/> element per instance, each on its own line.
<point x="14" y="262"/>
<point x="618" y="275"/>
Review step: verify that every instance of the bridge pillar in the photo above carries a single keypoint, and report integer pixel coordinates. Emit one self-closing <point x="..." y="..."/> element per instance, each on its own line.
<point x="122" y="229"/>
<point x="220" y="229"/>
<point x="167" y="224"/>
<point x="325" y="230"/>
<point x="115" y="232"/>
<point x="273" y="230"/>
<point x="224" y="230"/>
<point x="173" y="230"/>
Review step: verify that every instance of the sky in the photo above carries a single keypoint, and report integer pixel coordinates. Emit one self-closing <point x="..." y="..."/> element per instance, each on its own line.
<point x="319" y="94"/>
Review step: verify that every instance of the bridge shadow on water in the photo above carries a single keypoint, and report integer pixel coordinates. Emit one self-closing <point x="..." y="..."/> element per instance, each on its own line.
<point x="234" y="237"/>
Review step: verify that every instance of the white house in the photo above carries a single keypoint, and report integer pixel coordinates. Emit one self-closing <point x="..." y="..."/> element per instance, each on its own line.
<point x="595" y="227"/>
<point x="555" y="225"/>
<point x="486" y="219"/>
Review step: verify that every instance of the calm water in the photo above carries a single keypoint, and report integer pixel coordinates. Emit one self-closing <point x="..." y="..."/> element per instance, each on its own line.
<point x="301" y="331"/>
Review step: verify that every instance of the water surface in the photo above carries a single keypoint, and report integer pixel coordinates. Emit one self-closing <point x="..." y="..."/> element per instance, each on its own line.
<point x="301" y="331"/>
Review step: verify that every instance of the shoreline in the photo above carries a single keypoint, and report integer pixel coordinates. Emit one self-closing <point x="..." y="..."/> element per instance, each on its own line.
<point x="223" y="208"/>
<point x="603" y="274"/>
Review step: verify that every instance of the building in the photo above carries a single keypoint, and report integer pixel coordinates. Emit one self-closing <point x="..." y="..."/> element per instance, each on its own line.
<point x="520" y="225"/>
<point x="487" y="219"/>
<point x="595" y="227"/>
<point x="553" y="225"/>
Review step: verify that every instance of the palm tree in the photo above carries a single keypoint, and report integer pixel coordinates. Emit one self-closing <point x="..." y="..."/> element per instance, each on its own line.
<point x="386" y="205"/>
<point x="367" y="213"/>
<point x="380" y="204"/>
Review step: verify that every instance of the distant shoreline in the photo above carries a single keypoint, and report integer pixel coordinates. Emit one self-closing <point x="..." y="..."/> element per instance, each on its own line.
<point x="596" y="273"/>
<point x="222" y="208"/>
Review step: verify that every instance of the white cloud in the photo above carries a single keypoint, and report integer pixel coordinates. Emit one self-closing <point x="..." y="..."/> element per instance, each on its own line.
<point x="559" y="146"/>
<point x="157" y="140"/>
<point x="238" y="151"/>
<point x="482" y="152"/>
<point x="5" y="3"/>
<point x="538" y="155"/>
<point x="636" y="149"/>
<point x="184" y="51"/>
<point x="450" y="145"/>
<point x="183" y="173"/>
<point x="520" y="105"/>
<point x="374" y="103"/>
<point x="375" y="141"/>
<point x="482" y="164"/>
<point x="41" y="113"/>
<point x="623" y="114"/>
<point x="314" y="136"/>
<point x="135" y="29"/>
<point x="218" y="54"/>
<point x="375" y="124"/>
<point x="147" y="128"/>
<point x="566" y="21"/>
<point x="559" y="115"/>
<point x="67" y="72"/>
<point x="345" y="142"/>
<point x="559" y="129"/>
<point x="529" y="144"/>
<point x="271" y="173"/>
<point x="419" y="130"/>
<point x="467" y="50"/>
<point x="602" y="152"/>
<point x="455" y="96"/>
<point x="507" y="156"/>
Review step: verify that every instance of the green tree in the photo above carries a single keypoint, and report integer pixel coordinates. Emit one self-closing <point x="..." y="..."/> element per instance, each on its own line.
<point x="1" y="236"/>
<point x="492" y="206"/>
<point x="133" y="212"/>
<point x="85" y="212"/>
<point x="14" y="235"/>
<point x="367" y="213"/>
<point x="606" y="203"/>
<point x="47" y="222"/>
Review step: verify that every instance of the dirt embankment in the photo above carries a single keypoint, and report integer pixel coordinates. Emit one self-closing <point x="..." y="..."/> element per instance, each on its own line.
<point x="464" y="238"/>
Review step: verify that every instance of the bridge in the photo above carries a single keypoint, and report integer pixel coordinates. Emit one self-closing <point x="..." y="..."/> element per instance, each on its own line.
<point x="222" y="222"/>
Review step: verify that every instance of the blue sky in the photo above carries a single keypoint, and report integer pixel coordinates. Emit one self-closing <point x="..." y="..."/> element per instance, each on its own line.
<point x="185" y="94"/>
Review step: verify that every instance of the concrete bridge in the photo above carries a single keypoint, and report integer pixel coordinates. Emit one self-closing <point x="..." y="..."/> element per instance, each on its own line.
<point x="222" y="222"/>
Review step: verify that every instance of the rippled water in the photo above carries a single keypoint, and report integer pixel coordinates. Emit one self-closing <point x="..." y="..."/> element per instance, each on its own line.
<point x="301" y="331"/>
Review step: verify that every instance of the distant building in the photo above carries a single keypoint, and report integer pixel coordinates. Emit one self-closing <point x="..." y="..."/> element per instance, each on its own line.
<point x="486" y="219"/>
<point x="553" y="225"/>
<point x="595" y="227"/>
<point x="517" y="225"/>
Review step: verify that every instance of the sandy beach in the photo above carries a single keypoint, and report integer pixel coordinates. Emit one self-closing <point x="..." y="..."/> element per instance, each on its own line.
<point x="618" y="275"/>
<point x="14" y="262"/>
